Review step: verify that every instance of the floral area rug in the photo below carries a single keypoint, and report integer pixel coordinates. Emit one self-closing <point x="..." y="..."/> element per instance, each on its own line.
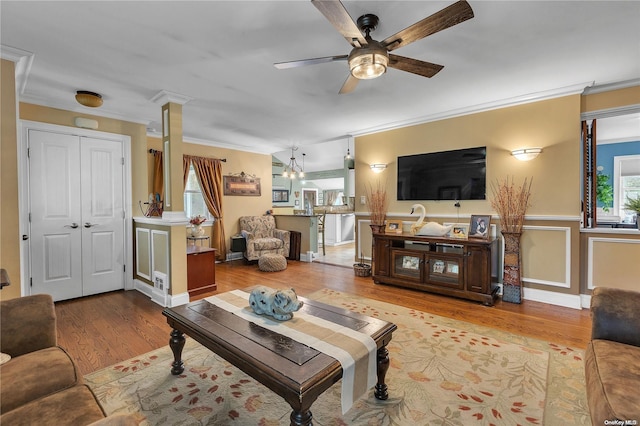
<point x="442" y="372"/>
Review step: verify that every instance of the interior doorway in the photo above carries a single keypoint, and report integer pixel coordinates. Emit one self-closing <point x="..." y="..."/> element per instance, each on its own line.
<point x="75" y="202"/>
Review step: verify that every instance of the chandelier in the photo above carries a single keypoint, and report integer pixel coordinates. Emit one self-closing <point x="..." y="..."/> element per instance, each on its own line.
<point x="293" y="168"/>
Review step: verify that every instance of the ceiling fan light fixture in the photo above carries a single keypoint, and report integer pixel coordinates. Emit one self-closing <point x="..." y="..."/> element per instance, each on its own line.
<point x="89" y="99"/>
<point x="368" y="62"/>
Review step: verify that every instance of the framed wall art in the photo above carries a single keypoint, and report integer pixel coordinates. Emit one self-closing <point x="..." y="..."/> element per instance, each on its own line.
<point x="241" y="185"/>
<point x="280" y="196"/>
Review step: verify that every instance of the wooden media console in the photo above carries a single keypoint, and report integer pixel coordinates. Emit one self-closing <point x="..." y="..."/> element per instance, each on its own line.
<point x="462" y="268"/>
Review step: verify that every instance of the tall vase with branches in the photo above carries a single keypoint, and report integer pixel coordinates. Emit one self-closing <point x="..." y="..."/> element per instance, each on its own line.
<point x="377" y="203"/>
<point x="511" y="202"/>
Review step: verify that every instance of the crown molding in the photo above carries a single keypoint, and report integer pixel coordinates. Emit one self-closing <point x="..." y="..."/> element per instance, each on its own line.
<point x="474" y="109"/>
<point x="165" y="96"/>
<point x="611" y="112"/>
<point x="23" y="61"/>
<point x="600" y="88"/>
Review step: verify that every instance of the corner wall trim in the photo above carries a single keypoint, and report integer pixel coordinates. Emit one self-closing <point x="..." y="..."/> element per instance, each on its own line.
<point x="166" y="301"/>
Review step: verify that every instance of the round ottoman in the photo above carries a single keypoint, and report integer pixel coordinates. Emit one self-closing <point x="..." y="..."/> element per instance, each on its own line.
<point x="271" y="262"/>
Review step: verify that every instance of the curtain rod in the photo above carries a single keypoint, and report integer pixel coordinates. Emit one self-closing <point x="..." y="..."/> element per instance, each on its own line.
<point x="153" y="151"/>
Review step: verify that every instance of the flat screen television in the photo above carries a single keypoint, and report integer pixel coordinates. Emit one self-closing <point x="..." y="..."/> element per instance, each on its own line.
<point x="448" y="175"/>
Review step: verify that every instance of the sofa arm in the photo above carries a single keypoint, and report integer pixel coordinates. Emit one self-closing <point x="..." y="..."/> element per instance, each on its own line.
<point x="285" y="236"/>
<point x="27" y="324"/>
<point x="615" y="315"/>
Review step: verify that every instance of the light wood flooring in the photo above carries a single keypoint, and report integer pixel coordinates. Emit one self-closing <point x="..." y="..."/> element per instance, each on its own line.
<point x="102" y="330"/>
<point x="342" y="255"/>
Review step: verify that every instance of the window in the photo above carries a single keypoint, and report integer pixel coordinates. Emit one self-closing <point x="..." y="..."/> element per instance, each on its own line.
<point x="194" y="204"/>
<point x="627" y="175"/>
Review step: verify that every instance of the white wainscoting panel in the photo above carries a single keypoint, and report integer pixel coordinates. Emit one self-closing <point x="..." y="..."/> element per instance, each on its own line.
<point x="566" y="240"/>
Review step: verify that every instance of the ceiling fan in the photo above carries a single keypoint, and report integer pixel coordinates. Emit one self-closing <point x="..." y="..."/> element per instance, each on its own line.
<point x="370" y="58"/>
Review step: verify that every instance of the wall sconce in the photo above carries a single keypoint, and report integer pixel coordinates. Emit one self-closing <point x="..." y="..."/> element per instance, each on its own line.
<point x="526" y="154"/>
<point x="377" y="168"/>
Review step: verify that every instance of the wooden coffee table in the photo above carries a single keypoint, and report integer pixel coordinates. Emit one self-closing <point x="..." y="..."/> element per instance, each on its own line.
<point x="296" y="372"/>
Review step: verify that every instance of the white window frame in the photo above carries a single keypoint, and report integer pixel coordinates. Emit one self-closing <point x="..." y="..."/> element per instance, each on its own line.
<point x="187" y="193"/>
<point x="619" y="200"/>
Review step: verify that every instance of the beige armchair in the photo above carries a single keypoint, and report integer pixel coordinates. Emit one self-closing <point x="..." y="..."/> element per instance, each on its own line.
<point x="262" y="237"/>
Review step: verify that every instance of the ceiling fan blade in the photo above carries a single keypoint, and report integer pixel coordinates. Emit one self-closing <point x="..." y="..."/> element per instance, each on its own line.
<point x="447" y="17"/>
<point x="415" y="66"/>
<point x="335" y="13"/>
<point x="349" y="85"/>
<point x="313" y="61"/>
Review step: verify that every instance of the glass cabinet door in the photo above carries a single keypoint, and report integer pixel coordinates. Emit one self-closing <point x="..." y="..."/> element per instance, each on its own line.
<point x="407" y="265"/>
<point x="445" y="271"/>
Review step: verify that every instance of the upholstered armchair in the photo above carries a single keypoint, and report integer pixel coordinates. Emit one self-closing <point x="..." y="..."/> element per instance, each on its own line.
<point x="262" y="237"/>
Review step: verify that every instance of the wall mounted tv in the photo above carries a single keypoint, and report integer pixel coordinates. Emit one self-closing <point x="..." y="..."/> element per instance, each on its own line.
<point x="448" y="175"/>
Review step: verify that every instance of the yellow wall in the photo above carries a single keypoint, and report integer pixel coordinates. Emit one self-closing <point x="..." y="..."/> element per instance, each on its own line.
<point x="237" y="161"/>
<point x="611" y="99"/>
<point x="9" y="223"/>
<point x="551" y="125"/>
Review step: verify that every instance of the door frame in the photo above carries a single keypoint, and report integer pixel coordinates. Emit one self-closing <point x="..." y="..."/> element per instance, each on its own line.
<point x="23" y="197"/>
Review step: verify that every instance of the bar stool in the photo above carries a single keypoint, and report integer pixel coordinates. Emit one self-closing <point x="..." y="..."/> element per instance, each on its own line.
<point x="321" y="229"/>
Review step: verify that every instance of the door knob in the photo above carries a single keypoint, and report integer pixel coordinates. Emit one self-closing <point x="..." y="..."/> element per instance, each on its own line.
<point x="73" y="225"/>
<point x="89" y="225"/>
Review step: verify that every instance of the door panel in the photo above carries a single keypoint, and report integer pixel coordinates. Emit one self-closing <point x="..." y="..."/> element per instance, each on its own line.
<point x="55" y="214"/>
<point x="77" y="215"/>
<point x="102" y="215"/>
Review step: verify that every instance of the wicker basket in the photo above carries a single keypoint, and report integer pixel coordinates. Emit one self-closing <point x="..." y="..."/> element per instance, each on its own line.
<point x="362" y="269"/>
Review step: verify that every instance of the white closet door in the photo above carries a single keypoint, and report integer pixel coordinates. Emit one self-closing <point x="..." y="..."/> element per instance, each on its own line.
<point x="77" y="215"/>
<point x="102" y="215"/>
<point x="56" y="230"/>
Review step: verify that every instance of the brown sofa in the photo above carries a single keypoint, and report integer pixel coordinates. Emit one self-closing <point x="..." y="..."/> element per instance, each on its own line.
<point x="40" y="384"/>
<point x="612" y="358"/>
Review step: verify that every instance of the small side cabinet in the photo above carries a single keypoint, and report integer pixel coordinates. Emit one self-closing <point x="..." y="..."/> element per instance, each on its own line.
<point x="201" y="270"/>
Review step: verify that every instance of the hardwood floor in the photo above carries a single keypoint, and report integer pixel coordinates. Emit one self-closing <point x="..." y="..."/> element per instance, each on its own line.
<point x="102" y="330"/>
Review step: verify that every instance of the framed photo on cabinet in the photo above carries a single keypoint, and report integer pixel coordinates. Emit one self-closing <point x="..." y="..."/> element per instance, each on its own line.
<point x="479" y="226"/>
<point x="393" y="227"/>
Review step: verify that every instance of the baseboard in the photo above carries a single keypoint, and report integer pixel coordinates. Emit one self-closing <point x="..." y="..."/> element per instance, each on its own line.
<point x="573" y="301"/>
<point x="586" y="301"/>
<point x="162" y="299"/>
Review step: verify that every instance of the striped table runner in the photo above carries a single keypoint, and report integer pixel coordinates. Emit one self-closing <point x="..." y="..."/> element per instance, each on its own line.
<point x="355" y="351"/>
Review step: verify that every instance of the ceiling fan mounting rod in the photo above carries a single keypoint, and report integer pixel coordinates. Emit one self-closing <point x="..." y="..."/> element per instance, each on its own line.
<point x="367" y="23"/>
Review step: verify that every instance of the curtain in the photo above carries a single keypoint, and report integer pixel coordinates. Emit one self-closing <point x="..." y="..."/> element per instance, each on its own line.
<point x="209" y="174"/>
<point x="157" y="184"/>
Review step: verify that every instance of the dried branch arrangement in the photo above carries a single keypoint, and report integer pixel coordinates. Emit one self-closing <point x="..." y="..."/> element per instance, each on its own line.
<point x="511" y="203"/>
<point x="377" y="203"/>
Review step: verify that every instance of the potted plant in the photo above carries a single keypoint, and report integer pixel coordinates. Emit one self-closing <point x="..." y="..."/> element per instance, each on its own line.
<point x="604" y="191"/>
<point x="196" y="225"/>
<point x="511" y="203"/>
<point x="376" y="200"/>
<point x="633" y="204"/>
<point x="362" y="269"/>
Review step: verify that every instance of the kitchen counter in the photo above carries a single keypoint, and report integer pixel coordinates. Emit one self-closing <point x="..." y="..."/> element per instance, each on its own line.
<point x="307" y="225"/>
